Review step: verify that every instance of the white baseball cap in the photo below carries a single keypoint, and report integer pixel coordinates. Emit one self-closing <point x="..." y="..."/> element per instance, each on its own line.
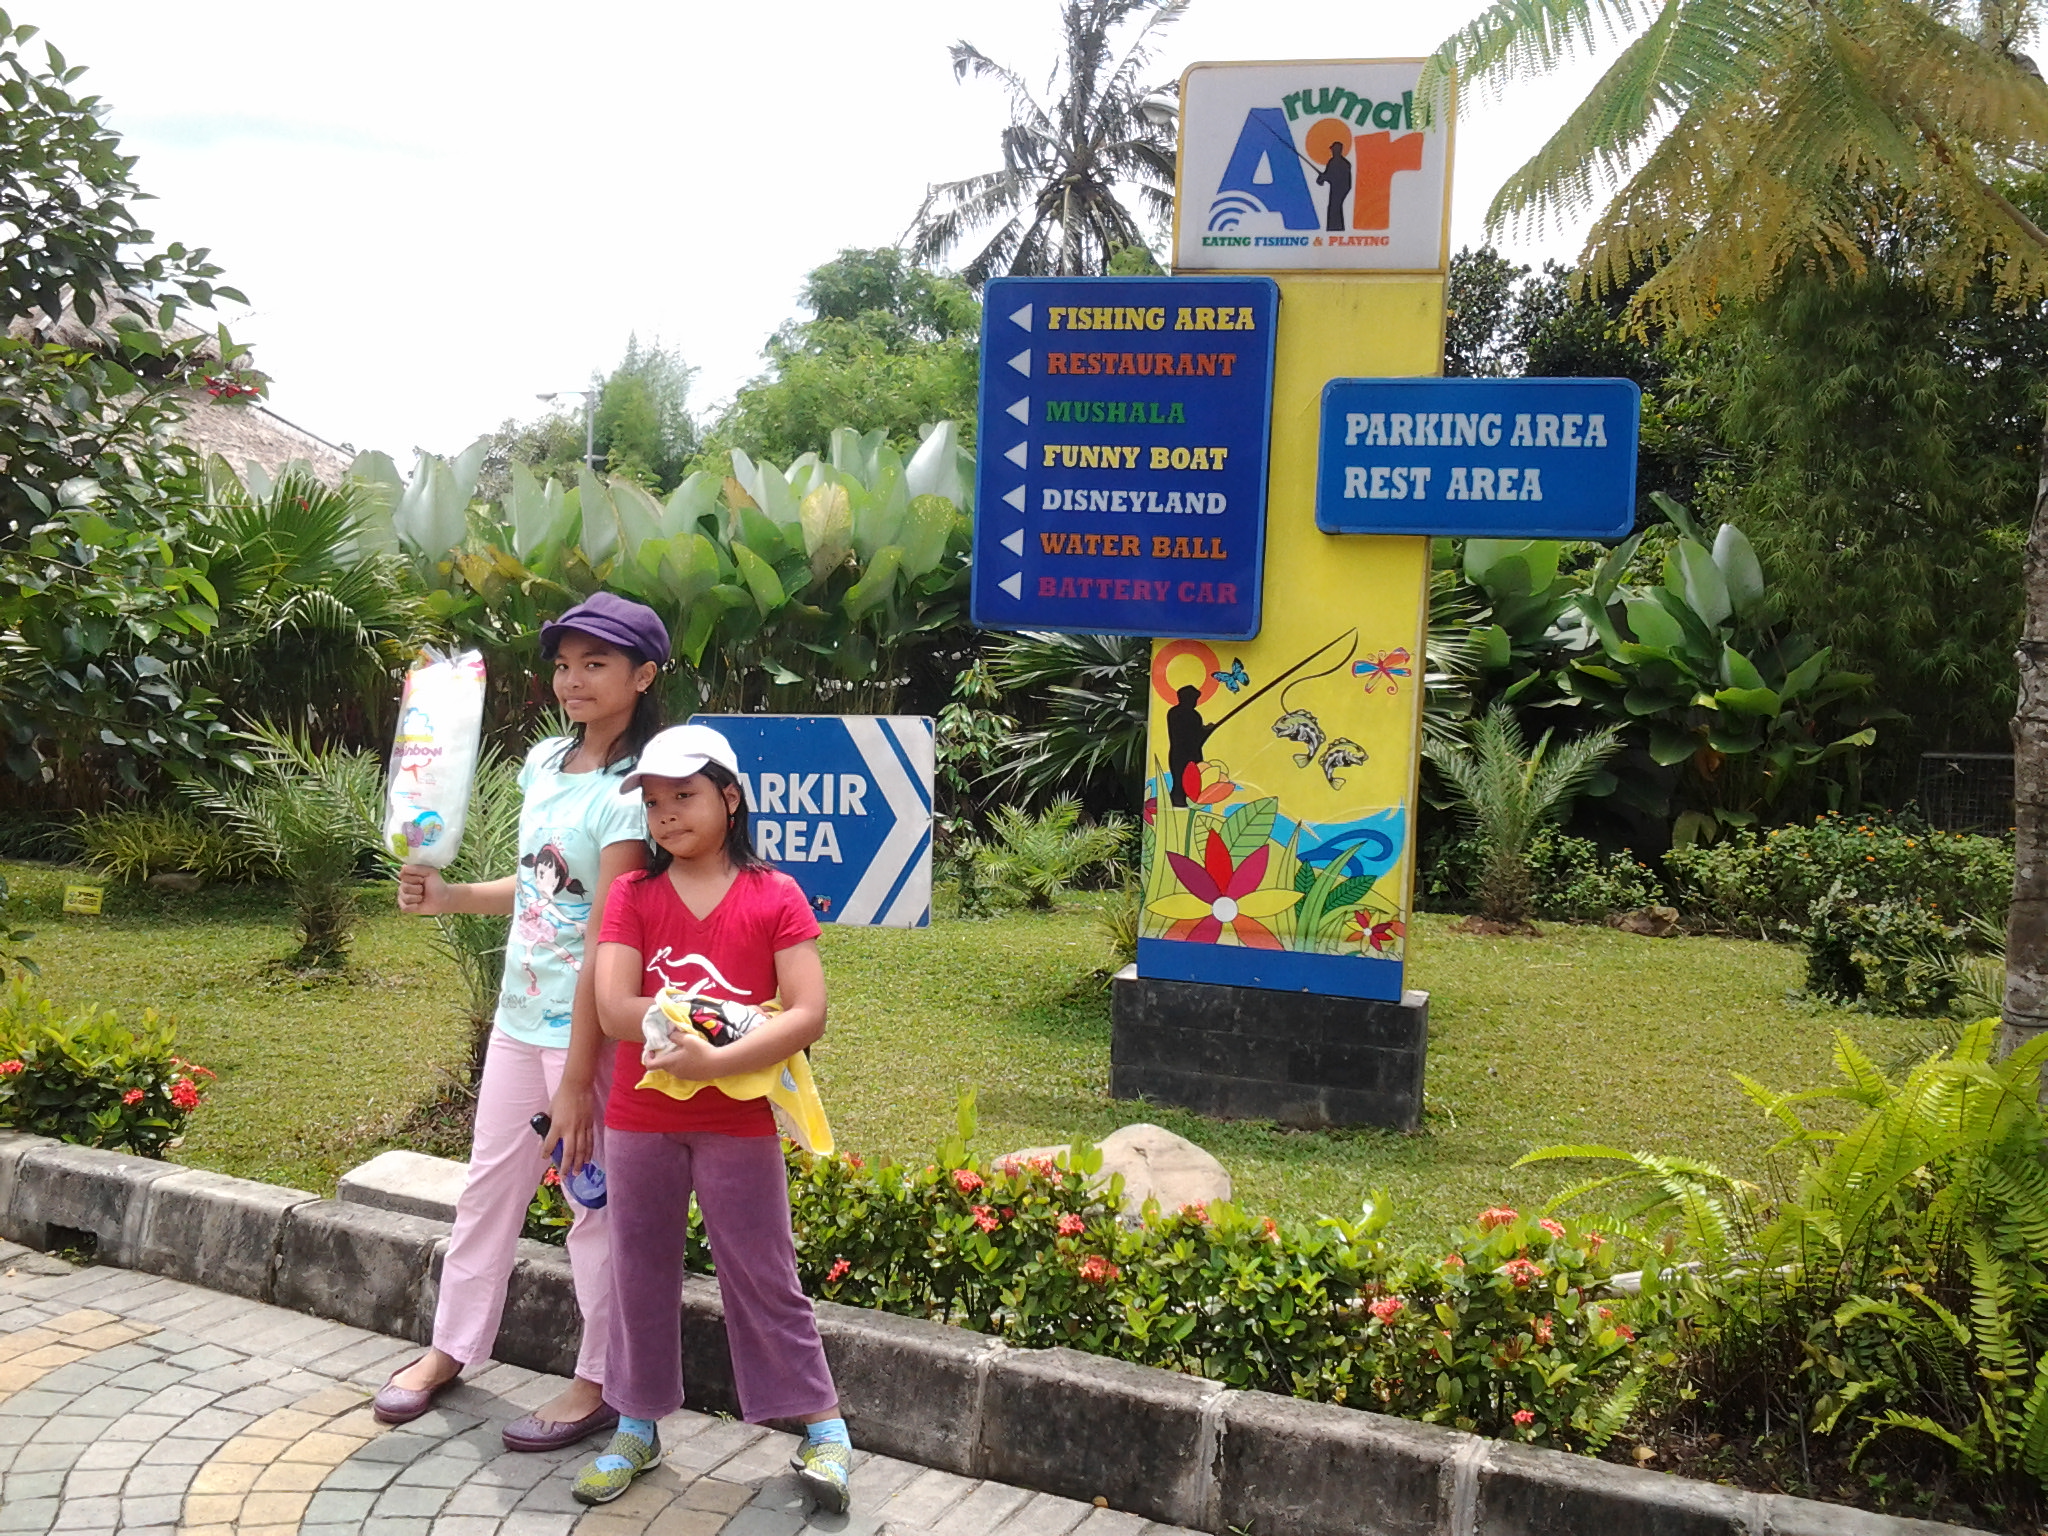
<point x="679" y="752"/>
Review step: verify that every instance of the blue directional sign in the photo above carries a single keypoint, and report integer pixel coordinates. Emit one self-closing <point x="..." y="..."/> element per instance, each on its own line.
<point x="1122" y="454"/>
<point x="1479" y="458"/>
<point x="843" y="805"/>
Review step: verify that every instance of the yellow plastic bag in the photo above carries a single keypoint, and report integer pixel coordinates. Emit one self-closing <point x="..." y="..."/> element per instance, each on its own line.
<point x="787" y="1086"/>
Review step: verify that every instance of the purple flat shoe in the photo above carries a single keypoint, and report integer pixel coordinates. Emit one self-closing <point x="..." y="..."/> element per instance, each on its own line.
<point x="401" y="1405"/>
<point x="534" y="1433"/>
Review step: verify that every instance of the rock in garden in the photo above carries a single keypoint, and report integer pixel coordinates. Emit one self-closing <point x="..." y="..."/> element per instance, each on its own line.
<point x="1156" y="1165"/>
<point x="176" y="880"/>
<point x="1651" y="922"/>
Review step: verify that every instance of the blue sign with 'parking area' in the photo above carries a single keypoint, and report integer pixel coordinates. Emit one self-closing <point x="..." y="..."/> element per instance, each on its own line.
<point x="843" y="805"/>
<point x="1479" y="458"/>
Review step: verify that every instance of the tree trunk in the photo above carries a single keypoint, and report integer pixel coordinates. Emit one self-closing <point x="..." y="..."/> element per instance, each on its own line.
<point x="2026" y="931"/>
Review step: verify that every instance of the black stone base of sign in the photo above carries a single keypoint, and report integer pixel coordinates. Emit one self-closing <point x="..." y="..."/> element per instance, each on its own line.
<point x="1244" y="1053"/>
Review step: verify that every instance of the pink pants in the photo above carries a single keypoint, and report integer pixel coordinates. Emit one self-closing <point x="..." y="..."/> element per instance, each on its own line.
<point x="505" y="1163"/>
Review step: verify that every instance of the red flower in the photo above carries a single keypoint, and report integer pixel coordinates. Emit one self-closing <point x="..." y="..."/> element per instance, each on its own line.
<point x="853" y="1161"/>
<point x="1454" y="1261"/>
<point x="986" y="1219"/>
<point x="550" y="1179"/>
<point x="1197" y="1211"/>
<point x="1070" y="1225"/>
<point x="1555" y="1229"/>
<point x="1524" y="1417"/>
<point x="837" y="1272"/>
<point x="9" y="1068"/>
<point x="1386" y="1308"/>
<point x="1360" y="928"/>
<point x="132" y="1096"/>
<point x="966" y="1180"/>
<point x="1229" y="893"/>
<point x="1593" y="1241"/>
<point x="1496" y="1216"/>
<point x="1542" y="1330"/>
<point x="184" y="1094"/>
<point x="1625" y="1331"/>
<point x="1267" y="1229"/>
<point x="1097" y="1270"/>
<point x="1522" y="1272"/>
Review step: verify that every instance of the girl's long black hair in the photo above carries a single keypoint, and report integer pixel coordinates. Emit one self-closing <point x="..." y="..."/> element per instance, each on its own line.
<point x="647" y="721"/>
<point x="739" y="844"/>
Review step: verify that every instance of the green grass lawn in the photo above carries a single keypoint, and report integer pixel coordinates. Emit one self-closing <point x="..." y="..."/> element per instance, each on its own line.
<point x="1583" y="1035"/>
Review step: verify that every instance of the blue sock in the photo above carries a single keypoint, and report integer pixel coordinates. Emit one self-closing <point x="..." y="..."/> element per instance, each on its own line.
<point x="823" y="1431"/>
<point x="639" y="1429"/>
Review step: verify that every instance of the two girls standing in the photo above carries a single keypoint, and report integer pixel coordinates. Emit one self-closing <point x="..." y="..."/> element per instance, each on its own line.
<point x="707" y="911"/>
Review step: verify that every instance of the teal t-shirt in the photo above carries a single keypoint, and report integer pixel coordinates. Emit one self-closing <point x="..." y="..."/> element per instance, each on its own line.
<point x="565" y="821"/>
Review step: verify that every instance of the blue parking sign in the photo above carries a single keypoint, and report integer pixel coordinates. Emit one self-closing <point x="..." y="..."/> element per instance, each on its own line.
<point x="843" y="805"/>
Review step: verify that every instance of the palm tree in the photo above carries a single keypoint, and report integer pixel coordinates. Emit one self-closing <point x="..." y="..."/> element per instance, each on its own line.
<point x="1506" y="792"/>
<point x="1056" y="193"/>
<point x="1736" y="142"/>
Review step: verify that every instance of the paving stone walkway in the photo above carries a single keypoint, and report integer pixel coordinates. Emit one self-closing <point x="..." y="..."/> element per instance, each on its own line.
<point x="134" y="1404"/>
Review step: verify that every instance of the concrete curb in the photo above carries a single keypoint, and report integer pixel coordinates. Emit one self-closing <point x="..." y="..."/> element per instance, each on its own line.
<point x="1169" y="1447"/>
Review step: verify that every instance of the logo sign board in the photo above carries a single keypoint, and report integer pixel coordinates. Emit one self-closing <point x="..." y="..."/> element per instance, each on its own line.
<point x="1313" y="167"/>
<point x="1122" y="454"/>
<point x="843" y="805"/>
<point x="1479" y="458"/>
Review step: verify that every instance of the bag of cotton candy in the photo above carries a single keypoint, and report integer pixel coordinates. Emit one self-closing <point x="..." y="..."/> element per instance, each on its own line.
<point x="433" y="758"/>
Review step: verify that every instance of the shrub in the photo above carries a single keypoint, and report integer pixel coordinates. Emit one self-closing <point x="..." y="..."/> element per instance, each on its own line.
<point x="1766" y="883"/>
<point x="1899" y="1282"/>
<point x="1500" y="1336"/>
<point x="1506" y="791"/>
<point x="131" y="846"/>
<point x="91" y="1079"/>
<point x="12" y="956"/>
<point x="1898" y="956"/>
<point x="1571" y="880"/>
<point x="1032" y="860"/>
<point x="315" y="815"/>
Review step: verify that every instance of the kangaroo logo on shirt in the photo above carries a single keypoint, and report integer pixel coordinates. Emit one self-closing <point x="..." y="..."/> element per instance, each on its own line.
<point x="674" y="969"/>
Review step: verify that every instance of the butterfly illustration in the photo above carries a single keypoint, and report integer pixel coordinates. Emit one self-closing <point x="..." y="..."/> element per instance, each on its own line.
<point x="1388" y="666"/>
<point x="1235" y="678"/>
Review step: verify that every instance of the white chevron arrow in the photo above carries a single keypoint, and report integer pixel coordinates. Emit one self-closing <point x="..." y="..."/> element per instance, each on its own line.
<point x="1016" y="455"/>
<point x="1022" y="362"/>
<point x="1014" y="543"/>
<point x="1022" y="410"/>
<point x="1014" y="583"/>
<point x="1015" y="498"/>
<point x="908" y="844"/>
<point x="1021" y="317"/>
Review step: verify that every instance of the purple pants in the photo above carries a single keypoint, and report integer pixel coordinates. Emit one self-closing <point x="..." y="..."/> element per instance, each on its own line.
<point x="743" y="1190"/>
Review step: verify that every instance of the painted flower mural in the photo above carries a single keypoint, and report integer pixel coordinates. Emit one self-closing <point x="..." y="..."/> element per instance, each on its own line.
<point x="1221" y="893"/>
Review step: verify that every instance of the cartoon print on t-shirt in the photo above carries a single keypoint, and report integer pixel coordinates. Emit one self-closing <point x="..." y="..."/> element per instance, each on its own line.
<point x="548" y="906"/>
<point x="675" y="971"/>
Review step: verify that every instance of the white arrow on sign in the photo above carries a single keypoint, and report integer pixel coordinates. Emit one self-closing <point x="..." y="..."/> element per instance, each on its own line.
<point x="908" y="845"/>
<point x="1022" y="316"/>
<point x="1015" y="498"/>
<point x="1022" y="410"/>
<point x="1022" y="362"/>
<point x="1015" y="542"/>
<point x="1014" y="582"/>
<point x="1016" y="455"/>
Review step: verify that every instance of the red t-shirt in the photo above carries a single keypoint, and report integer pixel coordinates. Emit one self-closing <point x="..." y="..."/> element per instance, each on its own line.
<point x="734" y="949"/>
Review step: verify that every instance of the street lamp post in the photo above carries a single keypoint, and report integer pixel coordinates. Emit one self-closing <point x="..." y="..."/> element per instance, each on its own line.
<point x="589" y="421"/>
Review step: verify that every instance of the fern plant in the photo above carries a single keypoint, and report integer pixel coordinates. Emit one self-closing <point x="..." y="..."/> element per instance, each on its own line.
<point x="1033" y="860"/>
<point x="1506" y="792"/>
<point x="313" y="813"/>
<point x="1900" y="1281"/>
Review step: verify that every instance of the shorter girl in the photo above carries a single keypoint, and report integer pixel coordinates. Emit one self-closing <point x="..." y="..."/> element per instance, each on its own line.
<point x="706" y="914"/>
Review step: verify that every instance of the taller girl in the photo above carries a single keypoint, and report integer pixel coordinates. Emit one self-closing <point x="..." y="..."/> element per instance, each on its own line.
<point x="577" y="835"/>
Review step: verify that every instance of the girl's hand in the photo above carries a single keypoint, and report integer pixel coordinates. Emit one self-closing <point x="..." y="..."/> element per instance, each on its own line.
<point x="571" y="1118"/>
<point x="422" y="892"/>
<point x="690" y="1057"/>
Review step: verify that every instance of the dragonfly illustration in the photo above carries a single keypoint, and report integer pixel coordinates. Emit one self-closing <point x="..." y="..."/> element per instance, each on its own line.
<point x="1388" y="667"/>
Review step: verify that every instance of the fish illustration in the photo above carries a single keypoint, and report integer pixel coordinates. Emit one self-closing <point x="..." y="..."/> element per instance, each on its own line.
<point x="1342" y="752"/>
<point x="1302" y="726"/>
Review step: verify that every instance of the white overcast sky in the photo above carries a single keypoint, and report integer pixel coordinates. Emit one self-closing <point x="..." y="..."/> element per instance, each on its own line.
<point x="439" y="208"/>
